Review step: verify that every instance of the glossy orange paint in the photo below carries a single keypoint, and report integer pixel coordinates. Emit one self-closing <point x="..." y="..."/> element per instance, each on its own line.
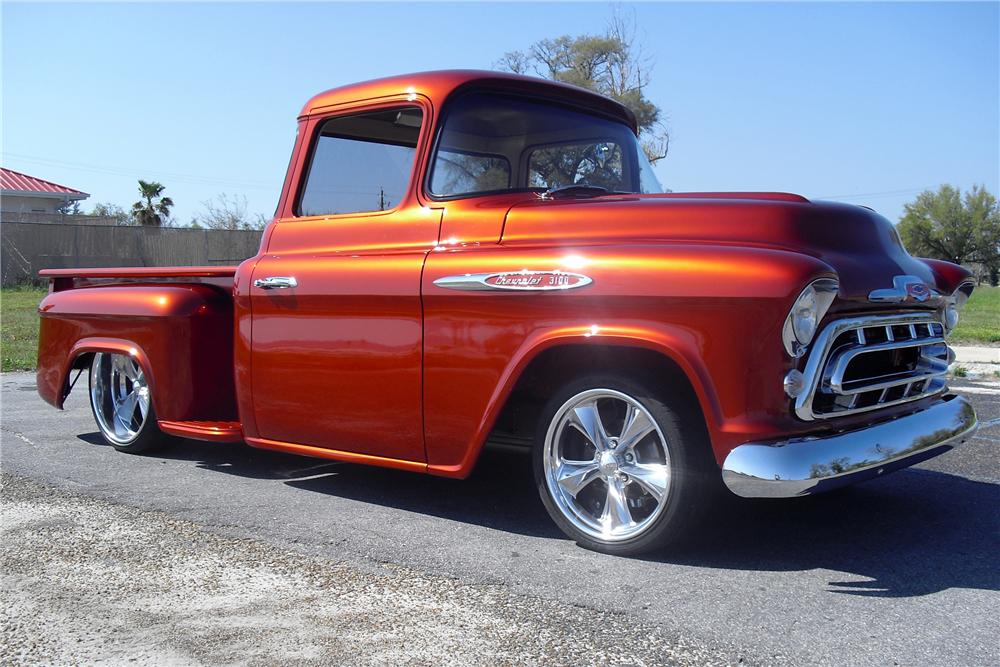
<point x="180" y="334"/>
<point x="330" y="355"/>
<point x="367" y="360"/>
<point x="64" y="279"/>
<point x="642" y="296"/>
<point x="336" y="455"/>
<point x="143" y="272"/>
<point x="438" y="86"/>
<point x="211" y="431"/>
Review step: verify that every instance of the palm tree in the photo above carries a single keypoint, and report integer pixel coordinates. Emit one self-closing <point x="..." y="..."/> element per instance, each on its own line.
<point x="153" y="209"/>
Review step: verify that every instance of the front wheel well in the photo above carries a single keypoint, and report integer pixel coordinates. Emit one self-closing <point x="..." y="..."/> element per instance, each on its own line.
<point x="554" y="367"/>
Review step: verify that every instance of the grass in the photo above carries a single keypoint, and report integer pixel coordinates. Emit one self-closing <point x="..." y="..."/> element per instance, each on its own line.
<point x="979" y="323"/>
<point x="19" y="327"/>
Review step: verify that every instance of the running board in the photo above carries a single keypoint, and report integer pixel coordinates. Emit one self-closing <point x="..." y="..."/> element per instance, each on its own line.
<point x="204" y="430"/>
<point x="336" y="455"/>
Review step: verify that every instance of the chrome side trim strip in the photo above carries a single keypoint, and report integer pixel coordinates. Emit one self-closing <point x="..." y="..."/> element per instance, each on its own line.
<point x="811" y="465"/>
<point x="521" y="281"/>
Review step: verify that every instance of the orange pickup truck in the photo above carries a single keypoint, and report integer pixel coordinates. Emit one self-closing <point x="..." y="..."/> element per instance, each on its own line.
<point x="467" y="257"/>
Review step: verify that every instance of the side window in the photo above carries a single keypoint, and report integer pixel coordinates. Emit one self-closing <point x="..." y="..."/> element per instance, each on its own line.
<point x="464" y="173"/>
<point x="361" y="163"/>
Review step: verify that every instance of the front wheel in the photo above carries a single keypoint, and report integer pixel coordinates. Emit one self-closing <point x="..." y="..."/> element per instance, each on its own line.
<point x="122" y="404"/>
<point x="619" y="470"/>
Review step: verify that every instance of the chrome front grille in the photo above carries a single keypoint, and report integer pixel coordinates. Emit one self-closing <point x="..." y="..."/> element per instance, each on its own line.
<point x="864" y="364"/>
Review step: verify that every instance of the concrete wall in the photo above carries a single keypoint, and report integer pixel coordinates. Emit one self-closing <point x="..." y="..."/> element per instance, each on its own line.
<point x="27" y="248"/>
<point x="36" y="204"/>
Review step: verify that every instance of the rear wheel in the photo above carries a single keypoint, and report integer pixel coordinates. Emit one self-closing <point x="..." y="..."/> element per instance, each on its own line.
<point x="122" y="404"/>
<point x="619" y="470"/>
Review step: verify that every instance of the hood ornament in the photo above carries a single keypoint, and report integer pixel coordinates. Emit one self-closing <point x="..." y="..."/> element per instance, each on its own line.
<point x="905" y="289"/>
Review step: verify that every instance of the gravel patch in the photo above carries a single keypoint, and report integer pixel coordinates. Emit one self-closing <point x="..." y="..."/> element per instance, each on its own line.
<point x="85" y="581"/>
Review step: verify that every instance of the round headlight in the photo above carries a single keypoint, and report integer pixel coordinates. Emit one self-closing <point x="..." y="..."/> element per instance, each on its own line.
<point x="950" y="316"/>
<point x="804" y="316"/>
<point x="806" y="313"/>
<point x="953" y="304"/>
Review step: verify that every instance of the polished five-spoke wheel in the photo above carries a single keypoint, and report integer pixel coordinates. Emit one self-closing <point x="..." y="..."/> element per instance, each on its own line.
<point x="617" y="467"/>
<point x="121" y="401"/>
<point x="607" y="465"/>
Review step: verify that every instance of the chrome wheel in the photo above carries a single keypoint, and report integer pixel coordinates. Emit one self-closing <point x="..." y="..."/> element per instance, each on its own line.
<point x="119" y="396"/>
<point x="606" y="465"/>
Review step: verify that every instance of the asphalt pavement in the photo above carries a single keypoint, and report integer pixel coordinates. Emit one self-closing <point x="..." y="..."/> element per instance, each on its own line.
<point x="901" y="570"/>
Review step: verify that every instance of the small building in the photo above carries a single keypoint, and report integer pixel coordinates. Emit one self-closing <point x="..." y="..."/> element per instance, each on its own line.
<point x="22" y="195"/>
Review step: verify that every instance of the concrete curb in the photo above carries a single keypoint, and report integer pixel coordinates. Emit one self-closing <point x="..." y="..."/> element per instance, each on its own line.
<point x="977" y="355"/>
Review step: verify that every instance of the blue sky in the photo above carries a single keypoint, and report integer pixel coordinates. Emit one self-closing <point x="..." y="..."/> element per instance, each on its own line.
<point x="868" y="103"/>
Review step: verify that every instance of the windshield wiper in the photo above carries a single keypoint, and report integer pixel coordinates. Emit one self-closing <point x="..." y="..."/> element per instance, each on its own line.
<point x="579" y="190"/>
<point x="575" y="190"/>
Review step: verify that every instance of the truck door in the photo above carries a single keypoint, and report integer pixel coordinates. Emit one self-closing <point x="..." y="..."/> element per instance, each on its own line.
<point x="335" y="298"/>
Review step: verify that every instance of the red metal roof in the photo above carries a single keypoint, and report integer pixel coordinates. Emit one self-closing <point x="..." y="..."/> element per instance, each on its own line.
<point x="15" y="181"/>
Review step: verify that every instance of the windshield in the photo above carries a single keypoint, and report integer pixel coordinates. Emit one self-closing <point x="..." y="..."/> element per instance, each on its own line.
<point x="492" y="143"/>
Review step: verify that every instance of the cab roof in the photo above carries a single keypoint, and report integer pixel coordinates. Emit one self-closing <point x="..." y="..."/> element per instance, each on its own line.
<point x="437" y="86"/>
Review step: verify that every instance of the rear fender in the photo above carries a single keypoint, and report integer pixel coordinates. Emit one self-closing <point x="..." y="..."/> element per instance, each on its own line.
<point x="181" y="335"/>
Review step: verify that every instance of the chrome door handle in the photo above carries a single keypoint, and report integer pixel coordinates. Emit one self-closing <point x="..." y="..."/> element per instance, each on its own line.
<point x="276" y="282"/>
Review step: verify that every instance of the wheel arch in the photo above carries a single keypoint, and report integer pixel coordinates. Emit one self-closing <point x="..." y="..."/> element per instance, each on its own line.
<point x="81" y="354"/>
<point x="545" y="358"/>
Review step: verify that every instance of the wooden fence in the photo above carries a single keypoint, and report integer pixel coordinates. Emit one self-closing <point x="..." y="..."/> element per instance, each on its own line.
<point x="29" y="247"/>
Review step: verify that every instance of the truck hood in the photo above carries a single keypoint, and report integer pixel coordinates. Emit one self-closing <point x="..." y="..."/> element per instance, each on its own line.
<point x="859" y="245"/>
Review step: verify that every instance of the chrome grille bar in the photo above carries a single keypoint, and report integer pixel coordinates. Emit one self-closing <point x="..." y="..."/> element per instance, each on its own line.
<point x="840" y="362"/>
<point x="910" y="361"/>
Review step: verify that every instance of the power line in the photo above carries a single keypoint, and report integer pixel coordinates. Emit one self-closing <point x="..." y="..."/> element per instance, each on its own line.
<point x="133" y="172"/>
<point x="885" y="193"/>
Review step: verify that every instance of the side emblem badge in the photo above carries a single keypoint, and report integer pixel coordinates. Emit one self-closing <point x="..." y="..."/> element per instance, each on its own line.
<point x="523" y="281"/>
<point x="905" y="289"/>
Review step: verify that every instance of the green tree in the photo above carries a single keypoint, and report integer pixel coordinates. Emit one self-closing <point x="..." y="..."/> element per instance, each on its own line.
<point x="227" y="212"/>
<point x="153" y="209"/>
<point x="950" y="225"/>
<point x="611" y="64"/>
<point x="109" y="210"/>
<point x="69" y="208"/>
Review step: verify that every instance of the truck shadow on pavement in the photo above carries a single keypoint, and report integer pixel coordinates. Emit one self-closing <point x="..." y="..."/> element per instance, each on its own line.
<point x="912" y="533"/>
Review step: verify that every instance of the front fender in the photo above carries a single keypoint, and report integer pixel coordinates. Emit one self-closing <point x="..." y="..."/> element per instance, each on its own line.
<point x="715" y="311"/>
<point x="947" y="276"/>
<point x="677" y="345"/>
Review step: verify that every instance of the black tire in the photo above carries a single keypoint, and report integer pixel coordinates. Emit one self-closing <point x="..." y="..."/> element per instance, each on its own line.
<point x="693" y="473"/>
<point x="141" y="434"/>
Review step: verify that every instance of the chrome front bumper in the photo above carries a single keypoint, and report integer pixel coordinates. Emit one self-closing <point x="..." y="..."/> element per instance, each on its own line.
<point x="813" y="465"/>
